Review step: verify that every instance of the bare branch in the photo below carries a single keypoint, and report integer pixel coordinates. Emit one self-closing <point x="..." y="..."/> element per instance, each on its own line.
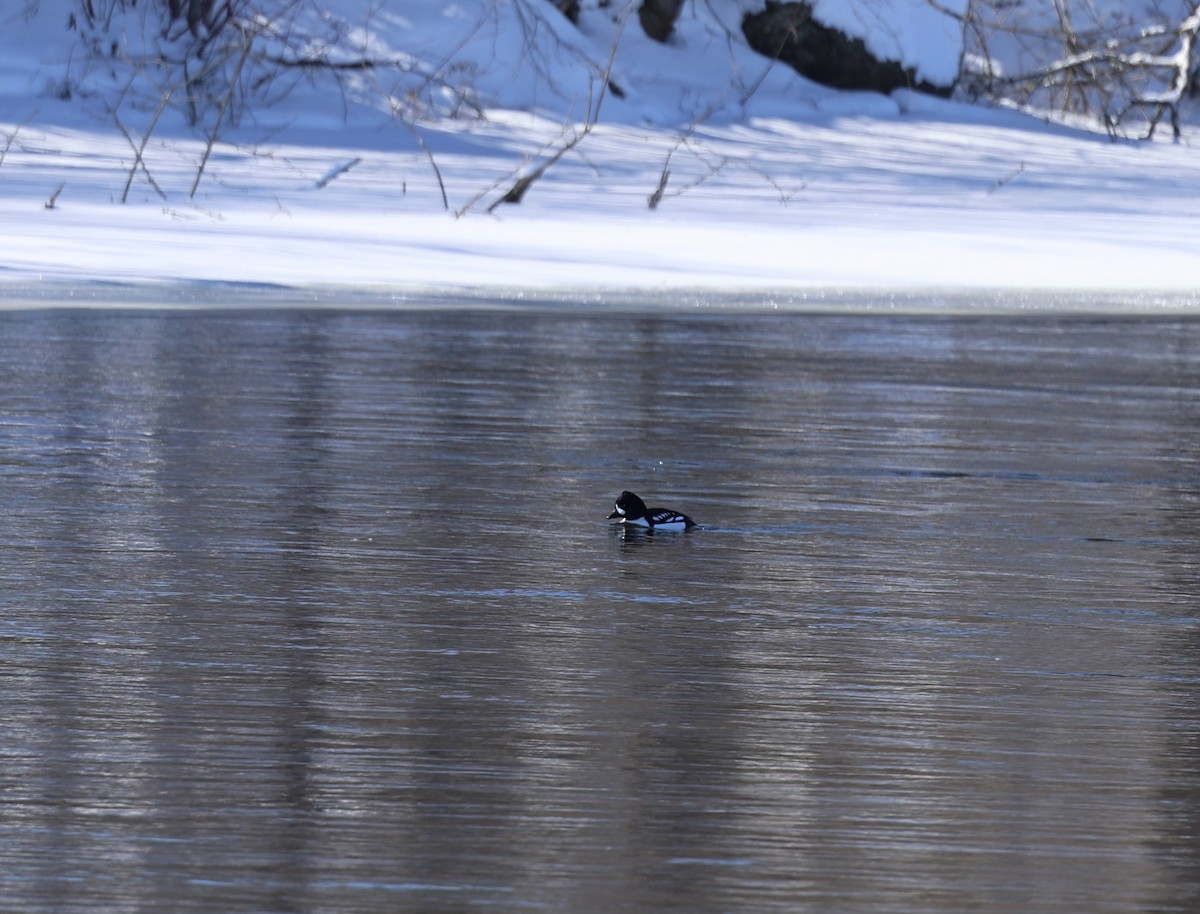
<point x="569" y="138"/>
<point x="224" y="107"/>
<point x="336" y="172"/>
<point x="139" y="149"/>
<point x="9" y="140"/>
<point x="1105" y="70"/>
<point x="437" y="172"/>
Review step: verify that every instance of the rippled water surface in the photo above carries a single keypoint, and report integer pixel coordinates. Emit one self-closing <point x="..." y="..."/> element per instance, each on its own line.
<point x="317" y="611"/>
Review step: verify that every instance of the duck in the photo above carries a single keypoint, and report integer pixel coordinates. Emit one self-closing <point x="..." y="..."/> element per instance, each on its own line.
<point x="632" y="511"/>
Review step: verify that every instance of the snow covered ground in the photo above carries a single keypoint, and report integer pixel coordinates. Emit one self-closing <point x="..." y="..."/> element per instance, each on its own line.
<point x="790" y="195"/>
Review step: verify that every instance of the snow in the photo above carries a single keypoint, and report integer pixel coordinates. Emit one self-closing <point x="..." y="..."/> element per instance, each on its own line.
<point x="780" y="192"/>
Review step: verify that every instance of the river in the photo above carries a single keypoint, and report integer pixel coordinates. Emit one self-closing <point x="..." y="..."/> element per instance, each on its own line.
<point x="315" y="610"/>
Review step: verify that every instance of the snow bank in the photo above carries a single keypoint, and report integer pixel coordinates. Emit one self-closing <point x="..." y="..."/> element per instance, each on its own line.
<point x="771" y="189"/>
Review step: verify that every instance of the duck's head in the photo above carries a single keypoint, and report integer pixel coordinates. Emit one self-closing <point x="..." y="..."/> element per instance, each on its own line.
<point x="628" y="506"/>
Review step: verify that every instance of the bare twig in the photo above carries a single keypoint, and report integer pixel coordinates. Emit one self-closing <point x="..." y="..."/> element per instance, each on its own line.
<point x="1104" y="68"/>
<point x="437" y="172"/>
<point x="9" y="140"/>
<point x="139" y="149"/>
<point x="487" y="191"/>
<point x="521" y="185"/>
<point x="656" y="195"/>
<point x="715" y="165"/>
<point x="247" y="46"/>
<point x="569" y="138"/>
<point x="1000" y="182"/>
<point x="336" y="172"/>
<point x="785" y="195"/>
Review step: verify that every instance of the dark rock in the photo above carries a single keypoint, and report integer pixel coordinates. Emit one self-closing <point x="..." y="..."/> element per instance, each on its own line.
<point x="788" y="32"/>
<point x="569" y="8"/>
<point x="658" y="17"/>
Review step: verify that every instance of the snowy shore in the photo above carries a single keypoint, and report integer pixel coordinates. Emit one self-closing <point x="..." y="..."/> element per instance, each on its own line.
<point x="849" y="198"/>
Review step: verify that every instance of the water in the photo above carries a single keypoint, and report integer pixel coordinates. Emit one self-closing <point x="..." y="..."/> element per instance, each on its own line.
<point x="317" y="611"/>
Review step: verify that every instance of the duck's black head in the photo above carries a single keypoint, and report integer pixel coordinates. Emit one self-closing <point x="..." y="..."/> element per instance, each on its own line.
<point x="628" y="507"/>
